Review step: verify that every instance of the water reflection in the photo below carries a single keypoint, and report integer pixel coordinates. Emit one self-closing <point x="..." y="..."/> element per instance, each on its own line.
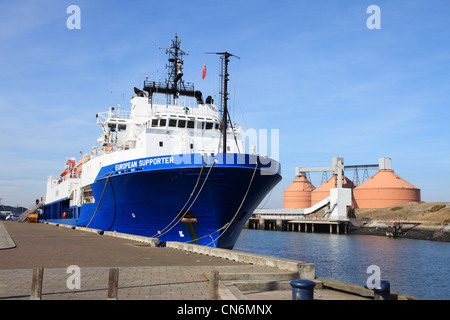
<point x="415" y="267"/>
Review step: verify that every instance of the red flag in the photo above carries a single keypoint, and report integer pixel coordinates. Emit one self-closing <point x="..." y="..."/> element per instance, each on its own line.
<point x="204" y="71"/>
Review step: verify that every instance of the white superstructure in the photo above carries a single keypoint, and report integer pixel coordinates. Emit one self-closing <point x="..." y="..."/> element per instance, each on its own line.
<point x="149" y="130"/>
<point x="170" y="118"/>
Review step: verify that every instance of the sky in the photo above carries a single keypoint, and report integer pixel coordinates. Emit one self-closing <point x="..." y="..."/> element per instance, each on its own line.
<point x="313" y="71"/>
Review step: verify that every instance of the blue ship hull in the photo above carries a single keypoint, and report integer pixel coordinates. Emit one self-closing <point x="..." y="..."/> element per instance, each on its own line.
<point x="202" y="201"/>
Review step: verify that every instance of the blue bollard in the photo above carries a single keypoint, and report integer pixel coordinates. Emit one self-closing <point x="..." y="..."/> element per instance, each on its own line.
<point x="302" y="289"/>
<point x="383" y="292"/>
<point x="160" y="244"/>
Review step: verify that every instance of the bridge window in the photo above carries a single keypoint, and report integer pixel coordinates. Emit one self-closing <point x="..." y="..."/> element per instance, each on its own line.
<point x="172" y="122"/>
<point x="112" y="126"/>
<point x="190" y="124"/>
<point x="181" y="123"/>
<point x="154" y="123"/>
<point x="209" y="125"/>
<point x="162" y="122"/>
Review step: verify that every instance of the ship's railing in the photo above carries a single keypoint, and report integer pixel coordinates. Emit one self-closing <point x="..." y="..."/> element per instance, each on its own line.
<point x="167" y="86"/>
<point x="185" y="107"/>
<point x="181" y="102"/>
<point x="72" y="175"/>
<point x="117" y="114"/>
<point x="67" y="176"/>
<point x="162" y="105"/>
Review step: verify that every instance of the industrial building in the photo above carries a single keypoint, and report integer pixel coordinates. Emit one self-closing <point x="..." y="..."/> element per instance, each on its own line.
<point x="383" y="189"/>
<point x="325" y="208"/>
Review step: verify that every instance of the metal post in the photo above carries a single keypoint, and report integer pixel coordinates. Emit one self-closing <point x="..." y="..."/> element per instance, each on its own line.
<point x="225" y="56"/>
<point x="383" y="292"/>
<point x="225" y="104"/>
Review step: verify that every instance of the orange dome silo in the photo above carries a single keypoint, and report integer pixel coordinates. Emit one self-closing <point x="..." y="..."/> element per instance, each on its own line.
<point x="385" y="189"/>
<point x="323" y="191"/>
<point x="298" y="194"/>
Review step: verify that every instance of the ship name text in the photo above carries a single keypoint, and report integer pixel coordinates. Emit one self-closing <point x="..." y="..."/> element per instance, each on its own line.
<point x="143" y="163"/>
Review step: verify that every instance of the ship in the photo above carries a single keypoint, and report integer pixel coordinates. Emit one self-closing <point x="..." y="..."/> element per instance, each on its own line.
<point x="173" y="167"/>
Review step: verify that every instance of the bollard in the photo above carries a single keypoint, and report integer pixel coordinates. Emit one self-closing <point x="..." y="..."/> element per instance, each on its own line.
<point x="160" y="244"/>
<point x="303" y="289"/>
<point x="383" y="292"/>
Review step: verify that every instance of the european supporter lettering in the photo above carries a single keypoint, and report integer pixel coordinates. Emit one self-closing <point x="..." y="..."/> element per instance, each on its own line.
<point x="155" y="161"/>
<point x="143" y="163"/>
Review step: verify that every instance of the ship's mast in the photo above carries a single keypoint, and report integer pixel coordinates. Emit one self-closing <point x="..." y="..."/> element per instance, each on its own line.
<point x="225" y="57"/>
<point x="174" y="85"/>
<point x="176" y="65"/>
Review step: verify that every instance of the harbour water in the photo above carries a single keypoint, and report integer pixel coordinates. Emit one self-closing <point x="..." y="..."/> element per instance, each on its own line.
<point x="418" y="268"/>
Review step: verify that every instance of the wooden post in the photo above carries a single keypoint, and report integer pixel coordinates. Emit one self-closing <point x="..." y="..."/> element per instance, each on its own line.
<point x="36" y="283"/>
<point x="214" y="285"/>
<point x="113" y="284"/>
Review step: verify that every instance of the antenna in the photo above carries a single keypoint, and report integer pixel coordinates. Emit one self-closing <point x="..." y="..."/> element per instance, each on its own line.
<point x="175" y="65"/>
<point x="157" y="64"/>
<point x="112" y="78"/>
<point x="174" y="85"/>
<point x="225" y="57"/>
<point x="123" y="101"/>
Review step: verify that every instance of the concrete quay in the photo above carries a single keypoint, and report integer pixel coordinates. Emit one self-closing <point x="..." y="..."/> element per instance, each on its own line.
<point x="178" y="271"/>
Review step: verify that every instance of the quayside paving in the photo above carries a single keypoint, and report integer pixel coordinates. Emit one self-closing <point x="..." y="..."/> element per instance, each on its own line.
<point x="176" y="272"/>
<point x="44" y="245"/>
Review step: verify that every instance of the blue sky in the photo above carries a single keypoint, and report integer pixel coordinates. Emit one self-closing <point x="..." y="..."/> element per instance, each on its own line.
<point x="311" y="69"/>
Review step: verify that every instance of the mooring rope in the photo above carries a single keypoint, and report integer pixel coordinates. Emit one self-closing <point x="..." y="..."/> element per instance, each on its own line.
<point x="190" y="196"/>
<point x="240" y="206"/>
<point x="101" y="197"/>
<point x="196" y="239"/>
<point x="227" y="225"/>
<point x="195" y="199"/>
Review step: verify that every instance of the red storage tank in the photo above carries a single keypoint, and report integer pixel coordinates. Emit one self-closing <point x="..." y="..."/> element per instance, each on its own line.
<point x="323" y="191"/>
<point x="298" y="194"/>
<point x="385" y="189"/>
